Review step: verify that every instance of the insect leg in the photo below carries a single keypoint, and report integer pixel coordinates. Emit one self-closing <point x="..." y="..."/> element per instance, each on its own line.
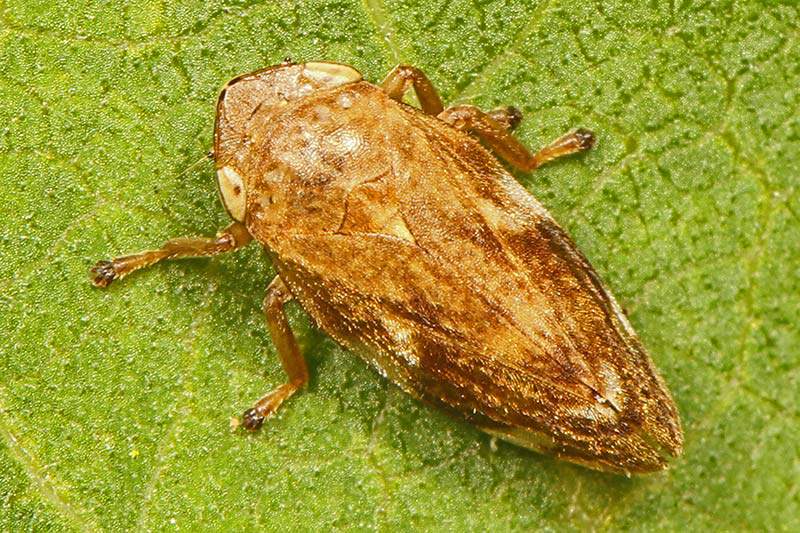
<point x="292" y="360"/>
<point x="509" y="117"/>
<point x="496" y="135"/>
<point x="402" y="77"/>
<point x="231" y="238"/>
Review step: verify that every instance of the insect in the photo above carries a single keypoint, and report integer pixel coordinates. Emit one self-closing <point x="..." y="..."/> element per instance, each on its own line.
<point x="411" y="245"/>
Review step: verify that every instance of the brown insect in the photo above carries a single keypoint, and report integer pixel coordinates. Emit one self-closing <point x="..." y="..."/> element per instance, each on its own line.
<point x="409" y="244"/>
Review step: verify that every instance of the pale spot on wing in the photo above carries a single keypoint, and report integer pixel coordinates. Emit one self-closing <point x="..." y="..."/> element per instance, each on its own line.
<point x="402" y="342"/>
<point x="305" y="90"/>
<point x="492" y="214"/>
<point x="612" y="391"/>
<point x="397" y="228"/>
<point x="608" y="404"/>
<point x="594" y="413"/>
<point x="345" y="100"/>
<point x="276" y="176"/>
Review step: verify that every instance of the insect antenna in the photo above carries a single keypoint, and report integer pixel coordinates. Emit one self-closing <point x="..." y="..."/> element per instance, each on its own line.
<point x="206" y="158"/>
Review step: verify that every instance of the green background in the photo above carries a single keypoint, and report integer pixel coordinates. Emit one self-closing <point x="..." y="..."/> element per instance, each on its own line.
<point x="114" y="405"/>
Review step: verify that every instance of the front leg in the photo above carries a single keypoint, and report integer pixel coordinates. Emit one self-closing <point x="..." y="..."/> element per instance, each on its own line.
<point x="231" y="238"/>
<point x="292" y="360"/>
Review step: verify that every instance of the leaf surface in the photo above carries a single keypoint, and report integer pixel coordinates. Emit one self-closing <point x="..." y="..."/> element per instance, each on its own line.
<point x="114" y="405"/>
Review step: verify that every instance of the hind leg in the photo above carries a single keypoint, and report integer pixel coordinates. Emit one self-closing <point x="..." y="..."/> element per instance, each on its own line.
<point x="292" y="360"/>
<point x="492" y="128"/>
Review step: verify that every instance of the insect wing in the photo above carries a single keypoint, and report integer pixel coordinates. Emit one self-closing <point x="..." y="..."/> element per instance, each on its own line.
<point x="450" y="277"/>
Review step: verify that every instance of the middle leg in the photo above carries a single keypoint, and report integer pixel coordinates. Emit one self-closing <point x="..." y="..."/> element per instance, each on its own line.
<point x="404" y="77"/>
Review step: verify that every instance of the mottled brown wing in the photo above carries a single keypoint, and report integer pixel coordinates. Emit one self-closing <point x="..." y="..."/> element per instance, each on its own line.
<point x="450" y="277"/>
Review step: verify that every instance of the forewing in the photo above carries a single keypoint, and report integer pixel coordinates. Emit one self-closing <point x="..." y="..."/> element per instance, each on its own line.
<point x="449" y="276"/>
<point x="511" y="247"/>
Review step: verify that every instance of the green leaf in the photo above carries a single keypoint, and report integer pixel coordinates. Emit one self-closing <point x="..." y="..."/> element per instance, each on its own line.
<point x="114" y="405"/>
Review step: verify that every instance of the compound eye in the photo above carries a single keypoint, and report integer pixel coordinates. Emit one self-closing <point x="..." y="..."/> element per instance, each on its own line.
<point x="233" y="193"/>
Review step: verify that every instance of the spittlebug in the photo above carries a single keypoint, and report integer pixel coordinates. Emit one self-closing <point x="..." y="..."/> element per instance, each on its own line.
<point x="411" y="245"/>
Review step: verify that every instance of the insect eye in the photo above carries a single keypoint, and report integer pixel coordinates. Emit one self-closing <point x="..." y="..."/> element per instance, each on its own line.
<point x="232" y="192"/>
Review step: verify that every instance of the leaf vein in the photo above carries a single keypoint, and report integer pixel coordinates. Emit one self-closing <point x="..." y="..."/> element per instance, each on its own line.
<point x="46" y="483"/>
<point x="378" y="16"/>
<point x="490" y="67"/>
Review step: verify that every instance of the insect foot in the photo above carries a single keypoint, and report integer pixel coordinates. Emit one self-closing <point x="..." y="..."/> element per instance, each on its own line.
<point x="585" y="138"/>
<point x="509" y="116"/>
<point x="103" y="273"/>
<point x="252" y="420"/>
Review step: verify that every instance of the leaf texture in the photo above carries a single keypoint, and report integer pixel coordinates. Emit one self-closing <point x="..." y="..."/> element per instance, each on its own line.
<point x="114" y="405"/>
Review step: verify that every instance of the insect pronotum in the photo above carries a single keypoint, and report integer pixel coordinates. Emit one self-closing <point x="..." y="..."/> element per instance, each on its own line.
<point x="411" y="245"/>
